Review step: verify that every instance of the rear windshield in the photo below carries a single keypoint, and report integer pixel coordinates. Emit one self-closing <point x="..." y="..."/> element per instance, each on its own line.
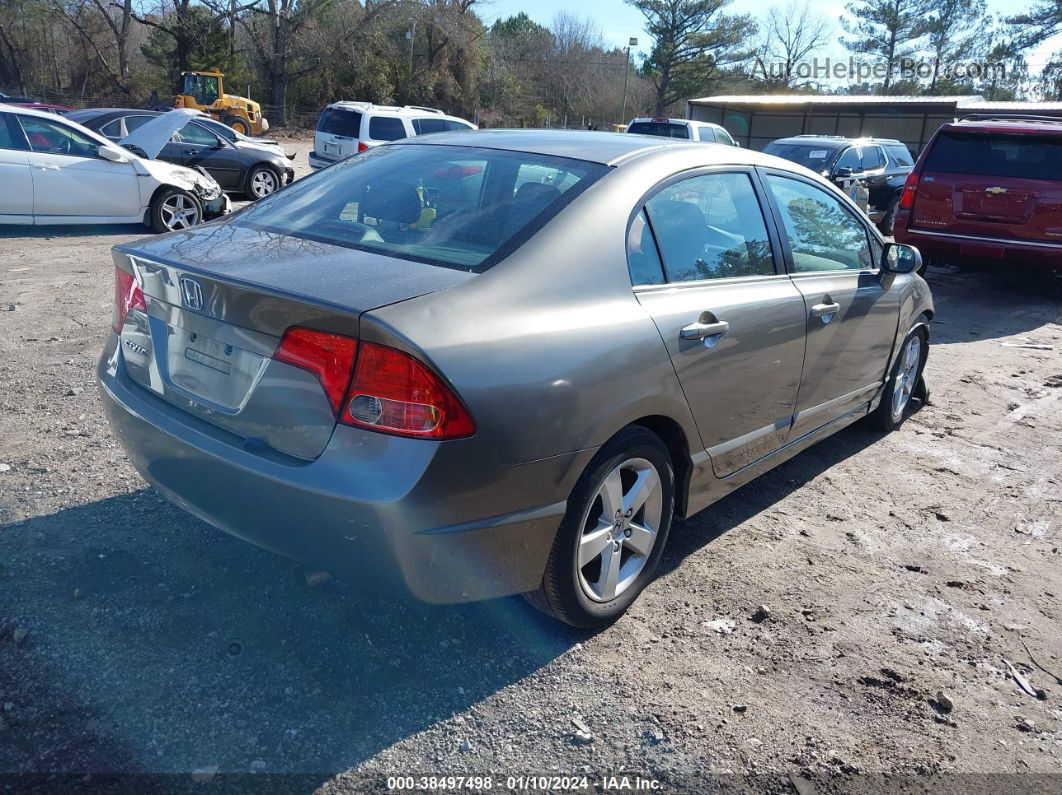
<point x="994" y="155"/>
<point x="386" y="128"/>
<point x="666" y="129"/>
<point x="457" y="207"/>
<point x="814" y="156"/>
<point x="337" y="121"/>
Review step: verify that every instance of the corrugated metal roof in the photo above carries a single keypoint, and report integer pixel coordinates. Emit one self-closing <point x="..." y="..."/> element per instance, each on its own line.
<point x="830" y="99"/>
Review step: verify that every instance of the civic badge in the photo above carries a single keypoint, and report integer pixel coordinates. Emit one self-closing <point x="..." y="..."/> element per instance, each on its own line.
<point x="191" y="294"/>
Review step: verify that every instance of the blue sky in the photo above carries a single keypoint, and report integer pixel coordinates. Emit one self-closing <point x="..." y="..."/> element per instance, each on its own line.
<point x="618" y="21"/>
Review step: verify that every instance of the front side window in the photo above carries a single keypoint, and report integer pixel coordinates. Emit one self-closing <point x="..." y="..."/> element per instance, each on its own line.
<point x="706" y="134"/>
<point x="112" y="129"/>
<point x="711" y="227"/>
<point x="850" y="159"/>
<point x="195" y="134"/>
<point x="823" y="234"/>
<point x="429" y="126"/>
<point x="202" y="87"/>
<point x="54" y="138"/>
<point x="452" y="206"/>
<point x="724" y="137"/>
<point x="386" y="128"/>
<point x="133" y="123"/>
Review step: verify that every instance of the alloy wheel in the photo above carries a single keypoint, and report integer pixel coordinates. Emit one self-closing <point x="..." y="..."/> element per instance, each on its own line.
<point x="263" y="183"/>
<point x="620" y="529"/>
<point x="906" y="375"/>
<point x="179" y="212"/>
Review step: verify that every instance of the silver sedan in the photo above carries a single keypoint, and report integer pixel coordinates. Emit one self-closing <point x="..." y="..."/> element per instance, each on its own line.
<point x="471" y="365"/>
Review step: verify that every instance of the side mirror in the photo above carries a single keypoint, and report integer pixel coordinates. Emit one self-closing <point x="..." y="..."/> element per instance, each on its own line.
<point x="900" y="258"/>
<point x="842" y="173"/>
<point x="112" y="154"/>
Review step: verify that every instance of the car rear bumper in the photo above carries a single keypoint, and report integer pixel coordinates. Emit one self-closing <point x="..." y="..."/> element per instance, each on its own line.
<point x="959" y="248"/>
<point x="316" y="161"/>
<point x="400" y="516"/>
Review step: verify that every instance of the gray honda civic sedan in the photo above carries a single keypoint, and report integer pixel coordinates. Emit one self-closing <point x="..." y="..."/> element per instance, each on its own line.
<point x="471" y="365"/>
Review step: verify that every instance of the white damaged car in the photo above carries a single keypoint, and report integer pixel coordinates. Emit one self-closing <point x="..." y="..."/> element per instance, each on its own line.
<point x="54" y="171"/>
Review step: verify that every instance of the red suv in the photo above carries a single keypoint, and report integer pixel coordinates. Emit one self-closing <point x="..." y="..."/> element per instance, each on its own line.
<point x="987" y="188"/>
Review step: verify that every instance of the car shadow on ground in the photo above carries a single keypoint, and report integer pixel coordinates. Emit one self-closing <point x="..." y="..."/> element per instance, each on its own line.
<point x="176" y="647"/>
<point x="980" y="302"/>
<point x="123" y="231"/>
<point x="761" y="494"/>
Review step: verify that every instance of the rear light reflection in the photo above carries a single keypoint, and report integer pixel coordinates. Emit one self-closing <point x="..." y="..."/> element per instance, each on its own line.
<point x="127" y="295"/>
<point x="910" y="188"/>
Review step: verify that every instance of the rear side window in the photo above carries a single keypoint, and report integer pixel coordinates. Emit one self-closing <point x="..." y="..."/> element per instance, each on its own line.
<point x="711" y="227"/>
<point x="429" y="126"/>
<point x="452" y="206"/>
<point x="112" y="129"/>
<point x="900" y="155"/>
<point x="339" y="121"/>
<point x="386" y="128"/>
<point x="665" y="129"/>
<point x="992" y="155"/>
<point x="872" y="158"/>
<point x="7" y="139"/>
<point x="133" y="123"/>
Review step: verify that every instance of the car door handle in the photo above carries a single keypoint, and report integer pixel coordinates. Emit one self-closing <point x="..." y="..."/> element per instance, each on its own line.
<point x="47" y="168"/>
<point x="825" y="310"/>
<point x="699" y="330"/>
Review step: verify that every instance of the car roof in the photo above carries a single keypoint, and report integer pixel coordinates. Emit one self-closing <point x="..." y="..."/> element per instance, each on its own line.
<point x="607" y="148"/>
<point x="837" y="140"/>
<point x="392" y="110"/>
<point x="1005" y="124"/>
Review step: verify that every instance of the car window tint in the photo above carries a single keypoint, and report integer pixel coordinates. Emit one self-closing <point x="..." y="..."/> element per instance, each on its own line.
<point x="453" y="206"/>
<point x="112" y="129"/>
<point x="7" y="140"/>
<point x="900" y="155"/>
<point x="386" y="128"/>
<point x="197" y="135"/>
<point x="823" y="234"/>
<point x="663" y="128"/>
<point x="711" y="227"/>
<point x="872" y="158"/>
<point x="996" y="155"/>
<point x="339" y="121"/>
<point x="429" y="126"/>
<point x="53" y="138"/>
<point x="134" y="123"/>
<point x="850" y="159"/>
<point x="643" y="260"/>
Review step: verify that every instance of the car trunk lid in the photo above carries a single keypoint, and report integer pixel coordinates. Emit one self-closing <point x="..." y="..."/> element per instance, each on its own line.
<point x="205" y="337"/>
<point x="991" y="185"/>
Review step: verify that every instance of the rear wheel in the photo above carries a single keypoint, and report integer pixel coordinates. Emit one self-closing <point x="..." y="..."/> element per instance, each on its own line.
<point x="610" y="541"/>
<point x="905" y="383"/>
<point x="173" y="209"/>
<point x="261" y="182"/>
<point x="888" y="221"/>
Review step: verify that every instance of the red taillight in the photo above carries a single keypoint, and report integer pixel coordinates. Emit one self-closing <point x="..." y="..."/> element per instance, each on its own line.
<point x="910" y="188"/>
<point x="394" y="393"/>
<point x="362" y="146"/>
<point x="330" y="357"/>
<point x="127" y="295"/>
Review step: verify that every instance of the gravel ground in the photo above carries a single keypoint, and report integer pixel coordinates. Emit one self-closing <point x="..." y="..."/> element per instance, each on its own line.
<point x="853" y="611"/>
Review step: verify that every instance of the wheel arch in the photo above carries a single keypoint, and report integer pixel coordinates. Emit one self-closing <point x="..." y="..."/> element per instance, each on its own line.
<point x="674" y="439"/>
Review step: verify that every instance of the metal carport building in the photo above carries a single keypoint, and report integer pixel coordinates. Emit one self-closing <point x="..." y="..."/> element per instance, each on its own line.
<point x="756" y="120"/>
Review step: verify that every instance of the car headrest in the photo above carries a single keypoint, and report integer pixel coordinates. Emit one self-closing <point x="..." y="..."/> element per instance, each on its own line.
<point x="390" y="200"/>
<point x="538" y="193"/>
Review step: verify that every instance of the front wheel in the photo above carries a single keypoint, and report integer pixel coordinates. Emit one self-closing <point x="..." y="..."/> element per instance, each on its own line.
<point x="611" y="538"/>
<point x="905" y="382"/>
<point x="173" y="209"/>
<point x="239" y="124"/>
<point x="261" y="182"/>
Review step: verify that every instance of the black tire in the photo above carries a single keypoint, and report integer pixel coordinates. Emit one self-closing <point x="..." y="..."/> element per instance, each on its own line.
<point x="886" y="417"/>
<point x="563" y="593"/>
<point x="887" y="224"/>
<point x="257" y="178"/>
<point x="160" y="212"/>
<point x="238" y="123"/>
<point x="926" y="262"/>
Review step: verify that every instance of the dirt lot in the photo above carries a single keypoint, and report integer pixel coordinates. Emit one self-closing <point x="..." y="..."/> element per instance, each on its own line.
<point x="135" y="638"/>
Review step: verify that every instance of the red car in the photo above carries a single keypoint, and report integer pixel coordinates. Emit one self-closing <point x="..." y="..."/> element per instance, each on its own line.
<point x="59" y="110"/>
<point x="987" y="189"/>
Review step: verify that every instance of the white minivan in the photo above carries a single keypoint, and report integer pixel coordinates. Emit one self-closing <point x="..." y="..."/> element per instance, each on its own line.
<point x="346" y="128"/>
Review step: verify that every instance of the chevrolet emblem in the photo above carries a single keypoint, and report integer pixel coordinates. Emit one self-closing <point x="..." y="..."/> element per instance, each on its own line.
<point x="995" y="190"/>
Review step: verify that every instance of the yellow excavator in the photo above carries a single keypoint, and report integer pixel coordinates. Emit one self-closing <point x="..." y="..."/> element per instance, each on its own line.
<point x="205" y="91"/>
